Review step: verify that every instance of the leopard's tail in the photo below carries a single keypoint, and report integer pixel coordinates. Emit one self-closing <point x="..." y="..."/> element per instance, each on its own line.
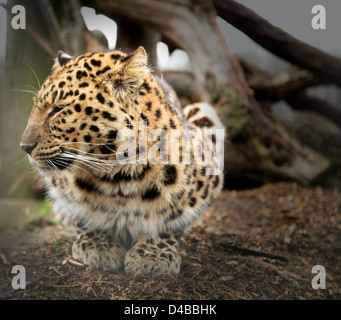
<point x="202" y="115"/>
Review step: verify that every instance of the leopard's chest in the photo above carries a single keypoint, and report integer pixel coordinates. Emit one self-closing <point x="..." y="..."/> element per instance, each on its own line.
<point x="108" y="205"/>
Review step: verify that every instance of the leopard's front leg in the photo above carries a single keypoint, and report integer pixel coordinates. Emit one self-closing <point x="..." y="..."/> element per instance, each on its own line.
<point x="98" y="249"/>
<point x="153" y="256"/>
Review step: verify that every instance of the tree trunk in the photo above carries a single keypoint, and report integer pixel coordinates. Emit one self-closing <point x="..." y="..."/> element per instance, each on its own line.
<point x="16" y="103"/>
<point x="73" y="39"/>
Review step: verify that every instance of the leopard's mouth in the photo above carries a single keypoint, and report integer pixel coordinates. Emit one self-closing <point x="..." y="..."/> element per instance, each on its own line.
<point x="54" y="163"/>
<point x="62" y="159"/>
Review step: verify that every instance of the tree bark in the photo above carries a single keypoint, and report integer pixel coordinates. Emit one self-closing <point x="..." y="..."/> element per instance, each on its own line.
<point x="19" y="76"/>
<point x="279" y="42"/>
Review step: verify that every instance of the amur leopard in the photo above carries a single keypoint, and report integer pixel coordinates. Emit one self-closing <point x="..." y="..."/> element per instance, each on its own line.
<point x="99" y="134"/>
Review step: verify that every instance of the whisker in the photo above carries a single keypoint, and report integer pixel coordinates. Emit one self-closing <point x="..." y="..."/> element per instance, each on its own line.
<point x="52" y="165"/>
<point x="93" y="154"/>
<point x="86" y="159"/>
<point x="90" y="159"/>
<point x="25" y="91"/>
<point x="33" y="88"/>
<point x="22" y="160"/>
<point x="89" y="164"/>
<point x="75" y="166"/>
<point x="35" y="76"/>
<point x="110" y="163"/>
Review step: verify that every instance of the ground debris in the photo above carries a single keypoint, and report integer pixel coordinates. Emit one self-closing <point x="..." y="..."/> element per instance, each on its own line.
<point x="252" y="244"/>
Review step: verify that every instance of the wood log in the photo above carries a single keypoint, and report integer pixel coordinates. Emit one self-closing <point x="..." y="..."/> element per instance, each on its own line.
<point x="244" y="165"/>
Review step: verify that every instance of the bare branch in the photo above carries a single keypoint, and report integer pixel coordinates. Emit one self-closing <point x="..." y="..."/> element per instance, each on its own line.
<point x="304" y="101"/>
<point x="279" y="42"/>
<point x="273" y="87"/>
<point x="289" y="86"/>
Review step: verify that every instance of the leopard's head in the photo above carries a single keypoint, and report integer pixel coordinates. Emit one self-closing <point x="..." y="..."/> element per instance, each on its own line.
<point x="82" y="106"/>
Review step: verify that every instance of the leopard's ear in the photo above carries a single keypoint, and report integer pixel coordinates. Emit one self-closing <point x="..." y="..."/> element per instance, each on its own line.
<point x="61" y="60"/>
<point x="136" y="59"/>
<point x="135" y="65"/>
<point x="129" y="77"/>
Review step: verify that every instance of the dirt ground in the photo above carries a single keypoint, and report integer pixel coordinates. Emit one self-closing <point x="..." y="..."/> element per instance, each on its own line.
<point x="252" y="244"/>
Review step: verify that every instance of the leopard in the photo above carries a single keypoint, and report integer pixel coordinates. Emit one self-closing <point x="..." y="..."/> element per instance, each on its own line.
<point x="98" y="134"/>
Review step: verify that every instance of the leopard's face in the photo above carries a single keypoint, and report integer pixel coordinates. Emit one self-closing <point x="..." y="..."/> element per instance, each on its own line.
<point x="82" y="106"/>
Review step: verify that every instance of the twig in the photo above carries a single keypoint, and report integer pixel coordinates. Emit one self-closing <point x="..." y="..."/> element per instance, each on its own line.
<point x="75" y="262"/>
<point x="3" y="259"/>
<point x="41" y="40"/>
<point x="252" y="252"/>
<point x="283" y="273"/>
<point x="79" y="284"/>
<point x="53" y="268"/>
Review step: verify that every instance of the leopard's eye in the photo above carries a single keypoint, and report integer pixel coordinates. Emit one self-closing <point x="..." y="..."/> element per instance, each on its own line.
<point x="55" y="110"/>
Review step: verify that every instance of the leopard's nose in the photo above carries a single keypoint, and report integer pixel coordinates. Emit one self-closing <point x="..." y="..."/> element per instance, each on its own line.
<point x="28" y="148"/>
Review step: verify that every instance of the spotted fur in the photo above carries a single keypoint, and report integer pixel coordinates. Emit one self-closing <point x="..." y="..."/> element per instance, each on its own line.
<point x="129" y="214"/>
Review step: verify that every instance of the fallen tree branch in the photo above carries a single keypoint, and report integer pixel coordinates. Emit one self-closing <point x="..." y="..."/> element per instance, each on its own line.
<point x="267" y="86"/>
<point x="273" y="87"/>
<point x="279" y="42"/>
<point x="244" y="251"/>
<point x="288" y="86"/>
<point x="304" y="101"/>
<point x="283" y="273"/>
